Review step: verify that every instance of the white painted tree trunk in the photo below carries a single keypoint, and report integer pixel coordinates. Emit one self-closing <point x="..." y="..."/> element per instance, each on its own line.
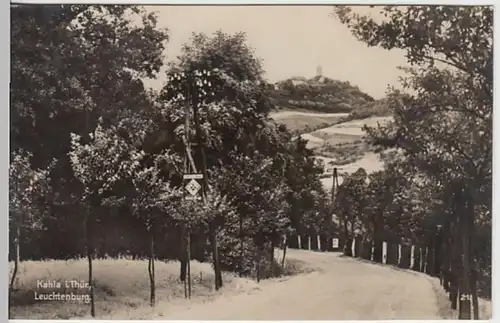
<point x="373" y="251"/>
<point x="309" y="243"/>
<point x="412" y="257"/>
<point x="319" y="243"/>
<point x="299" y="242"/>
<point x="399" y="254"/>
<point x="353" y="247"/>
<point x="384" y="252"/>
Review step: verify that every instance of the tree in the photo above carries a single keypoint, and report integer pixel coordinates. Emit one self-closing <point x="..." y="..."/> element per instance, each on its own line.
<point x="99" y="166"/>
<point x="445" y="125"/>
<point x="28" y="199"/>
<point x="235" y="104"/>
<point x="350" y="204"/>
<point x="71" y="65"/>
<point x="228" y="101"/>
<point x="258" y="195"/>
<point x="153" y="201"/>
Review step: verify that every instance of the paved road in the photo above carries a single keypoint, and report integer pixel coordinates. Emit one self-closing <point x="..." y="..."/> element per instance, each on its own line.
<point x="341" y="289"/>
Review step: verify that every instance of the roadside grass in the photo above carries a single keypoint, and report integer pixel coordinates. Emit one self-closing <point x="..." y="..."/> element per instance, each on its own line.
<point x="121" y="288"/>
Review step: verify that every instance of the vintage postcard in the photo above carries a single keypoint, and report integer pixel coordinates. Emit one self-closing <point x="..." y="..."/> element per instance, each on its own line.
<point x="250" y="162"/>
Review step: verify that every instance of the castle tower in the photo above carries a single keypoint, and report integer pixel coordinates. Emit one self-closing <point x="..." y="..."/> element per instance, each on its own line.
<point x="319" y="71"/>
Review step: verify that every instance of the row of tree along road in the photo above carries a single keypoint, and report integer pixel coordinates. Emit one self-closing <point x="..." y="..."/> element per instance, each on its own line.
<point x="435" y="192"/>
<point x="99" y="162"/>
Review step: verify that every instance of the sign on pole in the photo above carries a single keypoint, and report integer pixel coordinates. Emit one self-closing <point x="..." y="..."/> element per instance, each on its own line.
<point x="192" y="186"/>
<point x="335" y="243"/>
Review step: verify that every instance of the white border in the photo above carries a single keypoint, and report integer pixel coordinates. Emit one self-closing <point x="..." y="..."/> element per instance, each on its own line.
<point x="4" y="142"/>
<point x="261" y="2"/>
<point x="5" y="74"/>
<point x="496" y="159"/>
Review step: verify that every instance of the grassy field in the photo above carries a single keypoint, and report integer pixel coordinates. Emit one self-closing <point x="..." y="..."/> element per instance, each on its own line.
<point x="121" y="288"/>
<point x="336" y="143"/>
<point x="306" y="121"/>
<point x="343" y="143"/>
<point x="340" y="144"/>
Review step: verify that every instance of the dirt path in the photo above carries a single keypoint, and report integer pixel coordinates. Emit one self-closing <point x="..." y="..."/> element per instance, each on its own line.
<point x="340" y="289"/>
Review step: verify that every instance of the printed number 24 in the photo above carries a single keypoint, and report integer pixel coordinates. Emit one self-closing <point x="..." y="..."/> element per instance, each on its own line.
<point x="465" y="297"/>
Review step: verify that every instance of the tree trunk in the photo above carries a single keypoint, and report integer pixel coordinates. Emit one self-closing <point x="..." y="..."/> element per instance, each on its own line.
<point x="241" y="269"/>
<point x="449" y="260"/>
<point x="432" y="261"/>
<point x="360" y="248"/>
<point x="399" y="254"/>
<point x="258" y="265"/>
<point x="284" y="253"/>
<point x="188" y="251"/>
<point x="271" y="258"/>
<point x="454" y="270"/>
<point x="151" y="271"/>
<point x="421" y="260"/>
<point x="475" y="300"/>
<point x="412" y="257"/>
<point x="215" y="257"/>
<point x="183" y="261"/>
<point x="346" y="242"/>
<point x="377" y="249"/>
<point x="425" y="263"/>
<point x="443" y="269"/>
<point x="90" y="251"/>
<point x="474" y="265"/>
<point x="17" y="260"/>
<point x="466" y="298"/>
<point x="428" y="257"/>
<point x="454" y="293"/>
<point x="446" y="281"/>
<point x="348" y="247"/>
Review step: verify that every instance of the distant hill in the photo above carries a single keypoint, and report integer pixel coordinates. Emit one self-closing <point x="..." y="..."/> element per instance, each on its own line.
<point x="320" y="94"/>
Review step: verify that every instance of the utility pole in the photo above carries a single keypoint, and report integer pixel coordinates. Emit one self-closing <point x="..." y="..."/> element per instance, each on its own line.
<point x="335" y="185"/>
<point x="185" y="94"/>
<point x="187" y="170"/>
<point x="193" y="84"/>
<point x="201" y="149"/>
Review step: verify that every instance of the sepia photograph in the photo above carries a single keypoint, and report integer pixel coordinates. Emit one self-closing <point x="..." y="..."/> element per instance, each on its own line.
<point x="250" y="162"/>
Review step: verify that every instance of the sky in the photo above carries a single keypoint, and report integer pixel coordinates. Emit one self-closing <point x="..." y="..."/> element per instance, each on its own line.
<point x="290" y="40"/>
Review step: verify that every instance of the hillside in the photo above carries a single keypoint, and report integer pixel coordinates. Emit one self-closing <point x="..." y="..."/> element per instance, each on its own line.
<point x="330" y="115"/>
<point x="377" y="108"/>
<point x="319" y="94"/>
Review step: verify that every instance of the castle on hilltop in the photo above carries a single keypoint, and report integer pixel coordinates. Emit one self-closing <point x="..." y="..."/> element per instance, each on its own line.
<point x="319" y="74"/>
